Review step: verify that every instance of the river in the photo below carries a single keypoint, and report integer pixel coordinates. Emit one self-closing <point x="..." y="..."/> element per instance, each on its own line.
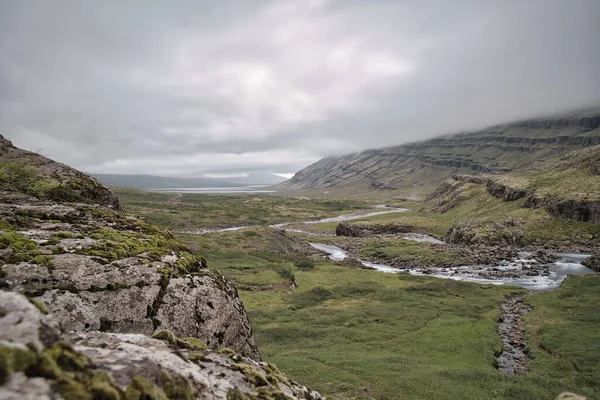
<point x="339" y="218"/>
<point x="567" y="264"/>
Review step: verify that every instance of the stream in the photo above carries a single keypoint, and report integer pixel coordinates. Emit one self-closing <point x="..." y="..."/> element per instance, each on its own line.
<point x="512" y="360"/>
<point x="515" y="272"/>
<point x="567" y="264"/>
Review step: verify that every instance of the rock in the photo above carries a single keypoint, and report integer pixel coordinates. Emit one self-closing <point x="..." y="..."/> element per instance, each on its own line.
<point x="195" y="306"/>
<point x="579" y="210"/>
<point x="503" y="190"/>
<point x="351" y="262"/>
<point x="61" y="182"/>
<point x="370" y="230"/>
<point x="108" y="271"/>
<point x="24" y="325"/>
<point x="5" y="254"/>
<point x="117" y="366"/>
<point x="593" y="262"/>
<point x="344" y="230"/>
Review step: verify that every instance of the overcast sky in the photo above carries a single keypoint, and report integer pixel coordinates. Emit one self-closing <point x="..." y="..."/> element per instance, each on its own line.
<point x="188" y="87"/>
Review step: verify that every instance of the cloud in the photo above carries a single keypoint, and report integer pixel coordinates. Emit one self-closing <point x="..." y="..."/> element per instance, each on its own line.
<point x="197" y="87"/>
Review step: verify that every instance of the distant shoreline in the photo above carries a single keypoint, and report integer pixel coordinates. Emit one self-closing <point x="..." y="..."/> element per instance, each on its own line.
<point x="233" y="189"/>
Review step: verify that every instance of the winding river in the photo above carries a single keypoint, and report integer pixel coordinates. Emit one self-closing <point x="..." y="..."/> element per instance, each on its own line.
<point x="339" y="218"/>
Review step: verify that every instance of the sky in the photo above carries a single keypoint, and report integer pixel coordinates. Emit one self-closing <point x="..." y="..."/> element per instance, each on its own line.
<point x="197" y="87"/>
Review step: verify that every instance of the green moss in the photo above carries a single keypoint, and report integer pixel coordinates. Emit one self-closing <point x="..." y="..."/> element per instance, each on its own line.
<point x="15" y="360"/>
<point x="185" y="343"/>
<point x="142" y="389"/>
<point x="114" y="245"/>
<point x="72" y="389"/>
<point x="105" y="391"/>
<point x="239" y="395"/>
<point x="64" y="235"/>
<point x="43" y="260"/>
<point x="254" y="376"/>
<point x="195" y="357"/>
<point x="40" y="305"/>
<point x="17" y="176"/>
<point x="194" y="344"/>
<point x="274" y="376"/>
<point x="23" y="248"/>
<point x="176" y="387"/>
<point x="227" y="351"/>
<point x="67" y="359"/>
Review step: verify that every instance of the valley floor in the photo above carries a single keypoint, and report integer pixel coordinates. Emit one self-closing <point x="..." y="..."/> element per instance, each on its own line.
<point x="356" y="333"/>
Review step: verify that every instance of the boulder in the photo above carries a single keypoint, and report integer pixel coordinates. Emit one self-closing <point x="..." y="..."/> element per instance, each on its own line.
<point x="98" y="269"/>
<point x="593" y="262"/>
<point x="39" y="361"/>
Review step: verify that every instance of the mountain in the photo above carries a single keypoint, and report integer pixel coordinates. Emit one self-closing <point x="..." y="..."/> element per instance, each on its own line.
<point x="156" y="182"/>
<point x="419" y="167"/>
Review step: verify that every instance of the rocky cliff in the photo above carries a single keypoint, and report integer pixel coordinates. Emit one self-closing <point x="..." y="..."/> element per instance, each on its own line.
<point x="512" y="147"/>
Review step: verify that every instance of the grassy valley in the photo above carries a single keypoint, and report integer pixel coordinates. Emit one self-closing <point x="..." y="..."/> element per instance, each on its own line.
<point x="362" y="334"/>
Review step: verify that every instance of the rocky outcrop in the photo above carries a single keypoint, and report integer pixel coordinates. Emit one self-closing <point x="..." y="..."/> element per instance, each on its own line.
<point x="371" y="230"/>
<point x="503" y="232"/>
<point x="99" y="269"/>
<point x="65" y="242"/>
<point x="37" y="175"/>
<point x="579" y="210"/>
<point x="593" y="262"/>
<point x="504" y="191"/>
<point x="38" y="361"/>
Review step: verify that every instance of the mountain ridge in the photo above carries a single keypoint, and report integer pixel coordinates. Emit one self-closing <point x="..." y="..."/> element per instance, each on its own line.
<point x="515" y="146"/>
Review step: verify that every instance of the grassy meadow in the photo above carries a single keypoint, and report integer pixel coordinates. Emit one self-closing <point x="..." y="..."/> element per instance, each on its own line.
<point x="362" y="334"/>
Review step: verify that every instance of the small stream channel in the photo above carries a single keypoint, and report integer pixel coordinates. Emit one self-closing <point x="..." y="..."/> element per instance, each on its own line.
<point x="512" y="359"/>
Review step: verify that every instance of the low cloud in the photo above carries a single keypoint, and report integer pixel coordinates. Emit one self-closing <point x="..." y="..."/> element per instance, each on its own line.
<point x="197" y="87"/>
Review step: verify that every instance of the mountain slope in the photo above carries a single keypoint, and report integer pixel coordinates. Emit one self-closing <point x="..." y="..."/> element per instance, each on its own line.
<point x="423" y="165"/>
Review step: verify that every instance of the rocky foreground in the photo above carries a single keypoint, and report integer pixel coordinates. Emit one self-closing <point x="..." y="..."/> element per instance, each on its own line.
<point x="39" y="362"/>
<point x="109" y="281"/>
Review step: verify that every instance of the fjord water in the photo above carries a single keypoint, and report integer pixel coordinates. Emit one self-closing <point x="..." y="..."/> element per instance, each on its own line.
<point x="215" y="190"/>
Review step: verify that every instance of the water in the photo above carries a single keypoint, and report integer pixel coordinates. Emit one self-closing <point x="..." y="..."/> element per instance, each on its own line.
<point x="568" y="264"/>
<point x="339" y="218"/>
<point x="216" y="190"/>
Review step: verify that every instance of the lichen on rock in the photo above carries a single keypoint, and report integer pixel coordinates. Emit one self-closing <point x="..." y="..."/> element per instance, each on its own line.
<point x="97" y="268"/>
<point x="37" y="361"/>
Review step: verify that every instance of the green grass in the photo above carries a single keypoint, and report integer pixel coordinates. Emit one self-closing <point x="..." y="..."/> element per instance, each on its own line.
<point x="563" y="333"/>
<point x="194" y="211"/>
<point x="353" y="333"/>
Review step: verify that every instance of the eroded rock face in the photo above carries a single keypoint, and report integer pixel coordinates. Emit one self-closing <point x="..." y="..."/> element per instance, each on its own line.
<point x="37" y="361"/>
<point x="579" y="210"/>
<point x="99" y="269"/>
<point x="506" y="192"/>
